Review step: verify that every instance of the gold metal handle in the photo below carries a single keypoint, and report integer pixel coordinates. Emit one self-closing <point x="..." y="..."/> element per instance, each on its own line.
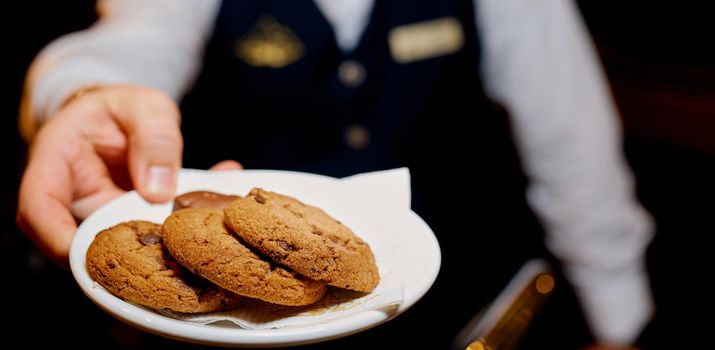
<point x="503" y="323"/>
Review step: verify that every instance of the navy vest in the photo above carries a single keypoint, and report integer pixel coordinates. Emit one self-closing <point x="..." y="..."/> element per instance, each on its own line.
<point x="430" y="115"/>
<point x="301" y="116"/>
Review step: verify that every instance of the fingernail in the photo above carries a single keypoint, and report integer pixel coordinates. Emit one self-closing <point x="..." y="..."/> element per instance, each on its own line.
<point x="159" y="179"/>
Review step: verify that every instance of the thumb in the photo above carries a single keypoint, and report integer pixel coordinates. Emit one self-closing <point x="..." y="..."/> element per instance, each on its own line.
<point x="151" y="121"/>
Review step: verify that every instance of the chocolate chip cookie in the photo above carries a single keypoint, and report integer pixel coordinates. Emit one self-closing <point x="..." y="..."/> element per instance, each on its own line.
<point x="304" y="238"/>
<point x="203" y="199"/>
<point x="198" y="239"/>
<point x="130" y="261"/>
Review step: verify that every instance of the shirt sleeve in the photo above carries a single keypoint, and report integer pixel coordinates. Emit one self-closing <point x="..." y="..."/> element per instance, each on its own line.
<point x="537" y="59"/>
<point x="156" y="43"/>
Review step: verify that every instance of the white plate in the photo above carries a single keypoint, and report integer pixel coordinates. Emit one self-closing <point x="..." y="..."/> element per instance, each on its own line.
<point x="418" y="252"/>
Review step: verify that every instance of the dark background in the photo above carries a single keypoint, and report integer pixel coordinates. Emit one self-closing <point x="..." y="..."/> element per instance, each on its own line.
<point x="661" y="65"/>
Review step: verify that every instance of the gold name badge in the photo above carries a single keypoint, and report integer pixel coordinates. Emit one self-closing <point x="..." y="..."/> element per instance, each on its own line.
<point x="269" y="44"/>
<point x="428" y="39"/>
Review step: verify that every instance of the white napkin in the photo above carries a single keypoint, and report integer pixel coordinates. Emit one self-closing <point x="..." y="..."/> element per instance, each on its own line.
<point x="388" y="193"/>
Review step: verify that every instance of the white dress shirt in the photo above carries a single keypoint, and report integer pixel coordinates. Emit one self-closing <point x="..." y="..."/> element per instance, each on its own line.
<point x="537" y="60"/>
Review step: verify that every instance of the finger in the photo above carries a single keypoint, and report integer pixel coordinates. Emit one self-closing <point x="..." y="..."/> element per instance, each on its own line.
<point x="45" y="197"/>
<point x="63" y="168"/>
<point x="227" y="165"/>
<point x="155" y="143"/>
<point x="87" y="205"/>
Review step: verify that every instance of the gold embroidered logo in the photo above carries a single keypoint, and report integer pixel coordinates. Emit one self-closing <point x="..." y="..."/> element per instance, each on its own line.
<point x="269" y="44"/>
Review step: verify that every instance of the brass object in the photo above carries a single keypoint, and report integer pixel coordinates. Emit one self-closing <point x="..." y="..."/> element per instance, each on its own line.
<point x="504" y="321"/>
<point x="269" y="44"/>
<point x="422" y="40"/>
<point x="478" y="345"/>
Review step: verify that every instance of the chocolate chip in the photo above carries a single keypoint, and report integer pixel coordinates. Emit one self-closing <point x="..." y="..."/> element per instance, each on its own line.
<point x="149" y="238"/>
<point x="111" y="264"/>
<point x="258" y="198"/>
<point x="277" y="257"/>
<point x="286" y="246"/>
<point x="174" y="267"/>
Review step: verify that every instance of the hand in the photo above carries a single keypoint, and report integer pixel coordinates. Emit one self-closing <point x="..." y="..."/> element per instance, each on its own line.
<point x="227" y="165"/>
<point x="97" y="146"/>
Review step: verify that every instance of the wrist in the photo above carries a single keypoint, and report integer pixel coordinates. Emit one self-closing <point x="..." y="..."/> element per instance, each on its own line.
<point x="617" y="304"/>
<point x="30" y="123"/>
<point x="79" y="93"/>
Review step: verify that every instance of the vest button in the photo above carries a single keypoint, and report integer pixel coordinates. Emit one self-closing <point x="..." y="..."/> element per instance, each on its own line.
<point x="351" y="73"/>
<point x="357" y="137"/>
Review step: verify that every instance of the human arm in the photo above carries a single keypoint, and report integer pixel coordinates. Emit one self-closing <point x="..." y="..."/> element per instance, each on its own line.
<point x="156" y="44"/>
<point x="538" y="61"/>
<point x="140" y="56"/>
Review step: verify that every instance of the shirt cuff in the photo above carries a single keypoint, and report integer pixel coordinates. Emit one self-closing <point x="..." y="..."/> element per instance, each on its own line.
<point x="53" y="87"/>
<point x="617" y="305"/>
